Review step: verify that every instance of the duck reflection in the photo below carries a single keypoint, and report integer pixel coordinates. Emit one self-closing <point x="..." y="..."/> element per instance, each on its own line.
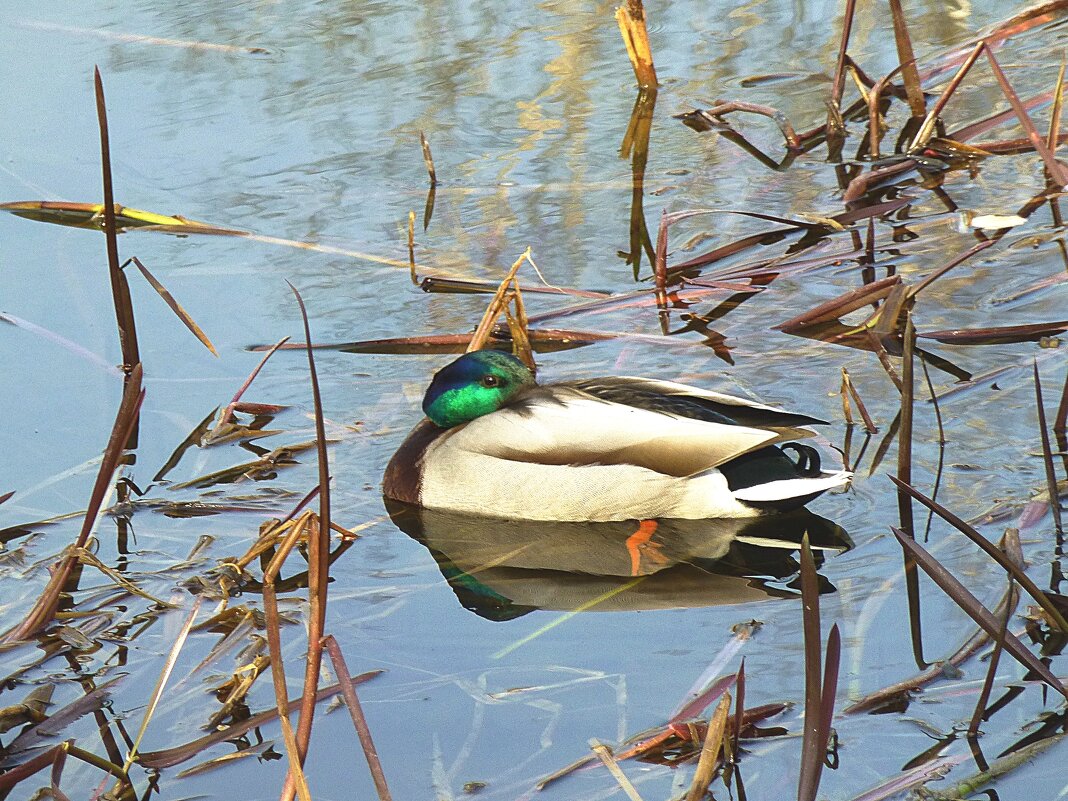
<point x="502" y="569"/>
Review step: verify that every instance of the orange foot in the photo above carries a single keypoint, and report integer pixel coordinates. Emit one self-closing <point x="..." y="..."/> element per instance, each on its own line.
<point x="639" y="544"/>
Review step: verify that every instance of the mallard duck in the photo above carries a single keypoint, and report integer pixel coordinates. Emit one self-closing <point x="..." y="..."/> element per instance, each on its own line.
<point x="498" y="444"/>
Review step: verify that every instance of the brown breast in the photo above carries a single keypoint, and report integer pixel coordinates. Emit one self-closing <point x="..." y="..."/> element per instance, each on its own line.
<point x="404" y="473"/>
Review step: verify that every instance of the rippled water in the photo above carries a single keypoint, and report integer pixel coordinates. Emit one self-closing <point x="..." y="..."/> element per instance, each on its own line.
<point x="301" y="122"/>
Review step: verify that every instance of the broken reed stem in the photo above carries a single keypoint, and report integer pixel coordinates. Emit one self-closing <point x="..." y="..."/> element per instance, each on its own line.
<point x="604" y="753"/>
<point x="875" y="127"/>
<point x="884" y="357"/>
<point x="904" y="440"/>
<point x="55" y="756"/>
<point x="120" y="289"/>
<point x="976" y="611"/>
<point x="1055" y="112"/>
<point x="793" y="142"/>
<point x="508" y="293"/>
<point x="318" y="564"/>
<point x="631" y="19"/>
<point x="295" y="777"/>
<point x="945" y="268"/>
<point x="997" y="554"/>
<point x="161" y="683"/>
<point x="228" y="414"/>
<point x="831" y="662"/>
<point x="172" y="304"/>
<point x="1047" y="456"/>
<point x="847" y="386"/>
<point x="821" y="680"/>
<point x="270" y="538"/>
<point x="992" y="669"/>
<point x="635" y="144"/>
<point x="1057" y="171"/>
<point x="811" y="761"/>
<point x="739" y="710"/>
<point x="1060" y="424"/>
<point x="176" y="755"/>
<point x="352" y="701"/>
<point x="1011" y="545"/>
<point x="909" y="73"/>
<point x="660" y="261"/>
<point x="1001" y="766"/>
<point x="847" y="411"/>
<point x="834" y="119"/>
<point x="923" y="136"/>
<point x="428" y="159"/>
<point x="934" y="401"/>
<point x="411" y="248"/>
<point x="710" y="750"/>
<point x="869" y="246"/>
<point x="44" y="609"/>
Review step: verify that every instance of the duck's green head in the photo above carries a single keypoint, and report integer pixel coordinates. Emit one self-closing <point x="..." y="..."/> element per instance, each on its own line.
<point x="475" y="384"/>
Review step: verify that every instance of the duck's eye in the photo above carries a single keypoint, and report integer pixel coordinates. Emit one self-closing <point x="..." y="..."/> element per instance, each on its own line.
<point x="490" y="381"/>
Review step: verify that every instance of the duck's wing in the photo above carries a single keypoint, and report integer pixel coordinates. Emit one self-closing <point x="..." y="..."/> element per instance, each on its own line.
<point x="563" y="425"/>
<point x="687" y="401"/>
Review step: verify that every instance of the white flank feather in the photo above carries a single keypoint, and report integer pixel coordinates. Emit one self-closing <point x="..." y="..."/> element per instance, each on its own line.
<point x="792" y="487"/>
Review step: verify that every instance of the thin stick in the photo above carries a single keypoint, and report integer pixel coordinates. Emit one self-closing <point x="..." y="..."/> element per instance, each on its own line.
<point x="318" y="562"/>
<point x="904" y="440"/>
<point x="710" y="749"/>
<point x="838" y="84"/>
<point x="909" y="73"/>
<point x="869" y="424"/>
<point x="604" y="753"/>
<point x="428" y="159"/>
<point x="44" y="609"/>
<point x="976" y="611"/>
<point x="847" y="411"/>
<point x="295" y="777"/>
<point x="120" y="289"/>
<point x="352" y="701"/>
<point x="811" y="759"/>
<point x="1047" y="456"/>
<point x="988" y="682"/>
<point x="923" y="136"/>
<point x="631" y="19"/>
<point x="411" y="248"/>
<point x="993" y="552"/>
<point x="161" y="683"/>
<point x="1056" y="169"/>
<point x="174" y="305"/>
<point x="228" y="414"/>
<point x="1055" y="113"/>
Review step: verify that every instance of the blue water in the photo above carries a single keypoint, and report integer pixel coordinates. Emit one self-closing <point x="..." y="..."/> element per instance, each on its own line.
<point x="300" y="122"/>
